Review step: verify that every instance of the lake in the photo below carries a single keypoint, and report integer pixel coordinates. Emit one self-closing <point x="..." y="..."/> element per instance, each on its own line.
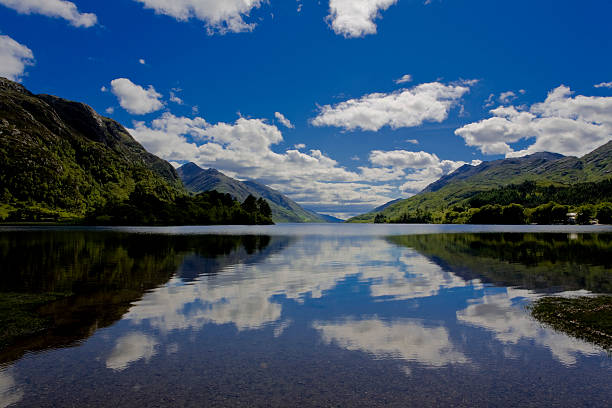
<point x="302" y="315"/>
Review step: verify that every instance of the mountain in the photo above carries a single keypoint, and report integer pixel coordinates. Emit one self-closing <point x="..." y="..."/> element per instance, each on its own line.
<point x="467" y="181"/>
<point x="331" y="219"/>
<point x="283" y="208"/>
<point x="61" y="156"/>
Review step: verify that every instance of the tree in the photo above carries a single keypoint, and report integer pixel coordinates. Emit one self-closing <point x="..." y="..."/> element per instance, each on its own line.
<point x="264" y="207"/>
<point x="513" y="214"/>
<point x="250" y="204"/>
<point x="604" y="213"/>
<point x="585" y="214"/>
<point x="380" y="219"/>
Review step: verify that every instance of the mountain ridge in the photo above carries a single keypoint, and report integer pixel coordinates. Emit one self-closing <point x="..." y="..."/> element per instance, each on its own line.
<point x="283" y="208"/>
<point x="543" y="168"/>
<point x="62" y="156"/>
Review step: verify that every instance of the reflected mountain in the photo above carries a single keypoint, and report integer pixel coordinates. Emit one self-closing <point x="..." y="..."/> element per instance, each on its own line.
<point x="541" y="262"/>
<point x="97" y="276"/>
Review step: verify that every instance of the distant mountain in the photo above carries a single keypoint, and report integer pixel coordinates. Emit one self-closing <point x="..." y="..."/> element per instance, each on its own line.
<point x="62" y="156"/>
<point x="284" y="209"/>
<point x="332" y="219"/>
<point x="465" y="182"/>
<point x="390" y="203"/>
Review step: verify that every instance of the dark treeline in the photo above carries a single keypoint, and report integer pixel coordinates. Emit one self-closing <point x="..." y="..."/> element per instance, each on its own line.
<point x="208" y="208"/>
<point x="531" y="195"/>
<point x="526" y="203"/>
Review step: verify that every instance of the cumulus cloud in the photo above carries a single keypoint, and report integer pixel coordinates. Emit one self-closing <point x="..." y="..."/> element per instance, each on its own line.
<point x="403" y="159"/>
<point x="142" y="61"/>
<point x="53" y="8"/>
<point x="430" y="102"/>
<point x="562" y="123"/>
<point x="283" y="120"/>
<point x="245" y="149"/>
<point x="175" y="98"/>
<point x="406" y="78"/>
<point x="134" y="98"/>
<point x="604" y="85"/>
<point x="355" y="18"/>
<point x="220" y="16"/>
<point x="14" y="58"/>
<point x="507" y="97"/>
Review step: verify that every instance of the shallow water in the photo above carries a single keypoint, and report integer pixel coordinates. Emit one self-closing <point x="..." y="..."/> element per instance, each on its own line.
<point x="321" y="315"/>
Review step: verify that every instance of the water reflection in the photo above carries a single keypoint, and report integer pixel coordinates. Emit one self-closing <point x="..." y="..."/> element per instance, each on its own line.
<point x="544" y="262"/>
<point x="246" y="295"/>
<point x="10" y="392"/>
<point x="408" y="340"/>
<point x="130" y="348"/>
<point x="99" y="275"/>
<point x="245" y="320"/>
<point x="510" y="324"/>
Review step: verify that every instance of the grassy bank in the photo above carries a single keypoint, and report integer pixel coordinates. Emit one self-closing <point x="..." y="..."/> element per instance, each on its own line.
<point x="587" y="318"/>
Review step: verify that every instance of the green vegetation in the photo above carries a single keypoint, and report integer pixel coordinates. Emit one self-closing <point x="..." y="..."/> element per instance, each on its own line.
<point x="531" y="261"/>
<point x="587" y="318"/>
<point x="529" y="181"/>
<point x="209" y="208"/>
<point x="524" y="203"/>
<point x="62" y="162"/>
<point x="283" y="208"/>
<point x="60" y="159"/>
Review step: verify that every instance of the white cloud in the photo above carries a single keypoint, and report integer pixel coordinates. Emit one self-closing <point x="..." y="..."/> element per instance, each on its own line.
<point x="53" y="8"/>
<point x="403" y="159"/>
<point x="244" y="294"/>
<point x="283" y="120"/>
<point x="507" y="97"/>
<point x="604" y="85"/>
<point x="14" y="58"/>
<point x="175" y="98"/>
<point x="134" y="98"/>
<point x="142" y="61"/>
<point x="110" y="110"/>
<point x="131" y="348"/>
<point x="511" y="324"/>
<point x="412" y="141"/>
<point x="103" y="89"/>
<point x="245" y="149"/>
<point x="403" y="339"/>
<point x="220" y="16"/>
<point x="562" y="123"/>
<point x="430" y="102"/>
<point x="10" y="392"/>
<point x="355" y="18"/>
<point x="406" y="78"/>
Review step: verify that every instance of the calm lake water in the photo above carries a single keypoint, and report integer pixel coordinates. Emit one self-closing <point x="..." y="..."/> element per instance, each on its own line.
<point x="303" y="315"/>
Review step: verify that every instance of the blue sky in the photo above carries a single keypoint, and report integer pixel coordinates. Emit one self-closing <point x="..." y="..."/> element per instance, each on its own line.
<point x="304" y="95"/>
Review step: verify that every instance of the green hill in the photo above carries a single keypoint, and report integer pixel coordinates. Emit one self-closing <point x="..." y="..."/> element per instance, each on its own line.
<point x="59" y="156"/>
<point x="61" y="161"/>
<point x="457" y="188"/>
<point x="283" y="208"/>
